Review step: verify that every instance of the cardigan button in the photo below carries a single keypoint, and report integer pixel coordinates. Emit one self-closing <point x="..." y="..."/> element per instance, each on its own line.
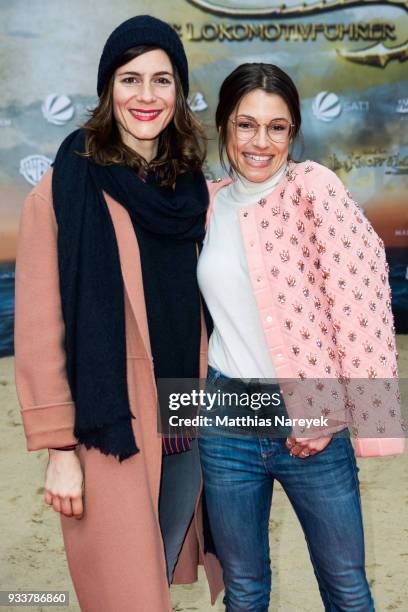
<point x="269" y="319"/>
<point x="252" y="242"/>
<point x="259" y="278"/>
<point x="245" y="214"/>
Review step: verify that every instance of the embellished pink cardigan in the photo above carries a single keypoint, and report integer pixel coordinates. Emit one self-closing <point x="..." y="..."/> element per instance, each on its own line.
<point x="320" y="281"/>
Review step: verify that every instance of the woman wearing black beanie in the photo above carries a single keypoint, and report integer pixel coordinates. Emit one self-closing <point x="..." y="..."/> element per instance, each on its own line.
<point x="107" y="303"/>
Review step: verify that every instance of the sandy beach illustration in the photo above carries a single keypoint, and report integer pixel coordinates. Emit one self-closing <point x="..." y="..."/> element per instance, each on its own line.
<point x="32" y="554"/>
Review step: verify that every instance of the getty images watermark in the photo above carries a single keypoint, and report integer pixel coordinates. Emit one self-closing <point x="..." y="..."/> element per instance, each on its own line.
<point x="370" y="408"/>
<point x="207" y="402"/>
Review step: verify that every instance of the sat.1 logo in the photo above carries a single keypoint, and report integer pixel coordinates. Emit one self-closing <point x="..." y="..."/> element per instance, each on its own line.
<point x="58" y="109"/>
<point x="327" y="106"/>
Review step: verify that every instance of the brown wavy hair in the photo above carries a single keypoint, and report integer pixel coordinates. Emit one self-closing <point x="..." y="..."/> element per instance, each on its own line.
<point x="182" y="144"/>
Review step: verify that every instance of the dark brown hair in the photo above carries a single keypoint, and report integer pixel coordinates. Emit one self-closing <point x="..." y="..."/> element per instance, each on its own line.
<point x="243" y="80"/>
<point x="182" y="144"/>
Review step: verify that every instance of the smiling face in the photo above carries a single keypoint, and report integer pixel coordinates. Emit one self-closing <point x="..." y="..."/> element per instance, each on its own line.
<point x="258" y="158"/>
<point x="144" y="100"/>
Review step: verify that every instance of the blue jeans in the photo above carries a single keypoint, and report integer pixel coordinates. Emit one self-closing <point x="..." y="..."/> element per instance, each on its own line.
<point x="323" y="489"/>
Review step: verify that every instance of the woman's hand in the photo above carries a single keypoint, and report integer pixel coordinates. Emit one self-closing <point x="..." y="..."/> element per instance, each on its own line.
<point x="305" y="447"/>
<point x="64" y="483"/>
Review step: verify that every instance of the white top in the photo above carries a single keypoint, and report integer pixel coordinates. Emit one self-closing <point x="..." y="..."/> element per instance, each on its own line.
<point x="237" y="346"/>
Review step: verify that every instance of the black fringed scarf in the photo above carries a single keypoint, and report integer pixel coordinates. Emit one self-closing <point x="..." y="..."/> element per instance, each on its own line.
<point x="168" y="224"/>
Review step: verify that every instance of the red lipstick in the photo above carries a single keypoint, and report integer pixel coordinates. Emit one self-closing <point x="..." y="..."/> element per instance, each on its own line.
<point x="142" y="114"/>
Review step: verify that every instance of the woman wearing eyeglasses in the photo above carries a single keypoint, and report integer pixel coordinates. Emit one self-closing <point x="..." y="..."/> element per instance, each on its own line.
<point x="295" y="279"/>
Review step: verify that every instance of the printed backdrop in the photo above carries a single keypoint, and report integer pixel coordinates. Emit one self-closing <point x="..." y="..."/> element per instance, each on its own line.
<point x="347" y="57"/>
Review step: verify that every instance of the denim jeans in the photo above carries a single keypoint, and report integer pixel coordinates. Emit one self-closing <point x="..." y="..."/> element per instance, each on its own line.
<point x="239" y="474"/>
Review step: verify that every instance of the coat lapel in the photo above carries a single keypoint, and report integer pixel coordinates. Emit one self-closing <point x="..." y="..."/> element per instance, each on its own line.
<point x="133" y="280"/>
<point x="130" y="265"/>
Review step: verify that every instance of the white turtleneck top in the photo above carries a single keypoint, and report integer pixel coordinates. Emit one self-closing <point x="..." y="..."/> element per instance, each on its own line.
<point x="237" y="346"/>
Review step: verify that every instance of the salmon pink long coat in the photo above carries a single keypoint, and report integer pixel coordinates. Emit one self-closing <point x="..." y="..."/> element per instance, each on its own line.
<point x="115" y="552"/>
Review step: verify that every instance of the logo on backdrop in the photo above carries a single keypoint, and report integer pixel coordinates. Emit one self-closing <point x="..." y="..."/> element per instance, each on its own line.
<point x="197" y="102"/>
<point x="327" y="106"/>
<point x="402" y="106"/>
<point x="34" y="167"/>
<point x="58" y="109"/>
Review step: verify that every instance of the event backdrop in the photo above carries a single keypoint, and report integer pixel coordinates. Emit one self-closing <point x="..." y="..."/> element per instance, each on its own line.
<point x="347" y="57"/>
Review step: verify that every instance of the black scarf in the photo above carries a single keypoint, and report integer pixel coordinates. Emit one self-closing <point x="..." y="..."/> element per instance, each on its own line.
<point x="168" y="224"/>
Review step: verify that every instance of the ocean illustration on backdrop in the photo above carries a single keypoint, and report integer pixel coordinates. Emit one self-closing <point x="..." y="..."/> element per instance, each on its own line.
<point x="6" y="308"/>
<point x="398" y="273"/>
<point x="398" y="280"/>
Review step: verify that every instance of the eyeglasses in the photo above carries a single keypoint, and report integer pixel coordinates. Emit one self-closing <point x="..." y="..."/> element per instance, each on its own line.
<point x="278" y="130"/>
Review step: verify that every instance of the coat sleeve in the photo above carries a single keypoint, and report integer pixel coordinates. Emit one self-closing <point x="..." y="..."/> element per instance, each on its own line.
<point x="358" y="292"/>
<point x="45" y="399"/>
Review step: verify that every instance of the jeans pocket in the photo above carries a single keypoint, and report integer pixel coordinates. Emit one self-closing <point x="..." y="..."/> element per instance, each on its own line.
<point x="212" y="376"/>
<point x="337" y="449"/>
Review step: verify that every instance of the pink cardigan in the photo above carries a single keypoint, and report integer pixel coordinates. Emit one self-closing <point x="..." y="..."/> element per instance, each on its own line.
<point x="320" y="281"/>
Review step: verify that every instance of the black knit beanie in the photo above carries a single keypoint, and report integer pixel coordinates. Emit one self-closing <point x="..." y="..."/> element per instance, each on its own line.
<point x="142" y="30"/>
